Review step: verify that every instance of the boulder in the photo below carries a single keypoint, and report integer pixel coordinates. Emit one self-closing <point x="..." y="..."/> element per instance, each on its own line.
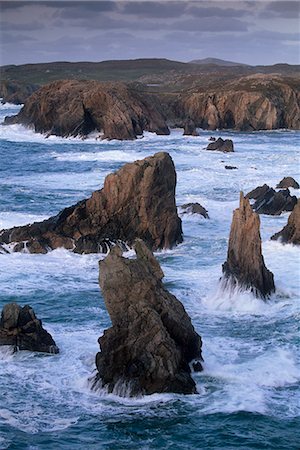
<point x="290" y="234"/>
<point x="245" y="265"/>
<point x="221" y="145"/>
<point x="20" y="327"/>
<point x="270" y="202"/>
<point x="151" y="341"/>
<point x="136" y="201"/>
<point x="195" y="208"/>
<point x="287" y="182"/>
<point x="258" y="192"/>
<point x="190" y="128"/>
<point x="76" y="108"/>
<point x="230" y="167"/>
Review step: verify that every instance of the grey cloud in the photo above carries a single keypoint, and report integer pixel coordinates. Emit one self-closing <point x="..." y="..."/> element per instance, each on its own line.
<point x="283" y="9"/>
<point x="8" y="38"/>
<point x="9" y="26"/>
<point x="217" y="25"/>
<point x="158" y="10"/>
<point x="213" y="11"/>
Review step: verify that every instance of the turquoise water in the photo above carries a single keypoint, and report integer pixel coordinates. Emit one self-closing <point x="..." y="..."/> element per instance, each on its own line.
<point x="249" y="390"/>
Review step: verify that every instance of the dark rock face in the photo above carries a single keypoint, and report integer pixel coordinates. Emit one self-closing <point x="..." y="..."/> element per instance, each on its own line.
<point x="221" y="145"/>
<point x="136" y="201"/>
<point x="290" y="234"/>
<point x="268" y="201"/>
<point x="190" y="128"/>
<point x="152" y="341"/>
<point x="245" y="263"/>
<point x="195" y="208"/>
<point x="15" y="91"/>
<point x="21" y="328"/>
<point x="230" y="167"/>
<point x="287" y="182"/>
<point x="76" y="108"/>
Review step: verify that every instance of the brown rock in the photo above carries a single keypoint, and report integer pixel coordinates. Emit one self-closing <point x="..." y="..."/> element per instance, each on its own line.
<point x="195" y="208"/>
<point x="21" y="328"/>
<point x="221" y="145"/>
<point x="287" y="182"/>
<point x="258" y="192"/>
<point x="76" y="108"/>
<point x="136" y="201"/>
<point x="152" y="341"/>
<point x="190" y="128"/>
<point x="16" y="92"/>
<point x="245" y="265"/>
<point x="274" y="203"/>
<point x="290" y="234"/>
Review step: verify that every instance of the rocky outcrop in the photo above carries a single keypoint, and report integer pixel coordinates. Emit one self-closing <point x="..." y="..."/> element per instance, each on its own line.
<point x="288" y="182"/>
<point x="76" y="108"/>
<point x="268" y="201"/>
<point x="221" y="145"/>
<point x="20" y="328"/>
<point x="15" y="91"/>
<point x="245" y="265"/>
<point x="195" y="208"/>
<point x="254" y="102"/>
<point x="136" y="201"/>
<point x="290" y="234"/>
<point x="152" y="341"/>
<point x="190" y="128"/>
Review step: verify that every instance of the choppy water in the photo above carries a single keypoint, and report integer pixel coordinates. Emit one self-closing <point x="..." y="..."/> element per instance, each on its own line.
<point x="249" y="391"/>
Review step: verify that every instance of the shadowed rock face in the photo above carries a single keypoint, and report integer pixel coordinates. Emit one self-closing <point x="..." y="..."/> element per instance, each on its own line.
<point x="290" y="234"/>
<point x="21" y="328"/>
<point x="268" y="201"/>
<point x="245" y="263"/>
<point x="287" y="182"/>
<point x="136" y="201"/>
<point x="190" y="128"/>
<point x="152" y="341"/>
<point x="76" y="108"/>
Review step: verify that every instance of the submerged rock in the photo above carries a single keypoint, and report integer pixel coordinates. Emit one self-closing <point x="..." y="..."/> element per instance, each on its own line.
<point x="245" y="264"/>
<point x="76" y="108"/>
<point x="136" y="201"/>
<point x="221" y="145"/>
<point x="287" y="182"/>
<point x="268" y="201"/>
<point x="20" y="327"/>
<point x="152" y="340"/>
<point x="195" y="208"/>
<point x="290" y="234"/>
<point x="190" y="128"/>
<point x="230" y="167"/>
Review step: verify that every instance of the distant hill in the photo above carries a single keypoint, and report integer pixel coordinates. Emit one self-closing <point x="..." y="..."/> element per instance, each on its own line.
<point x="217" y="62"/>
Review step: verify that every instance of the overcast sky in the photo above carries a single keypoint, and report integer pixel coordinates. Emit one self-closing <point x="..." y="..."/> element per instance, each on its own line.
<point x="252" y="32"/>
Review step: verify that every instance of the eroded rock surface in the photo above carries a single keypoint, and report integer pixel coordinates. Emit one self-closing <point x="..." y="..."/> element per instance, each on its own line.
<point x="190" y="128"/>
<point x="152" y="340"/>
<point x="268" y="201"/>
<point x="221" y="145"/>
<point x="76" y="108"/>
<point x="288" y="182"/>
<point x="195" y="208"/>
<point x="136" y="201"/>
<point x="245" y="264"/>
<point x="290" y="234"/>
<point x="20" y="328"/>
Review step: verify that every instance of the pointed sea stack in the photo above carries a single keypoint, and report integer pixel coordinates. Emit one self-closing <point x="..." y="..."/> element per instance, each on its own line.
<point x="290" y="234"/>
<point x="137" y="201"/>
<point x="245" y="263"/>
<point x="152" y="340"/>
<point x="20" y="328"/>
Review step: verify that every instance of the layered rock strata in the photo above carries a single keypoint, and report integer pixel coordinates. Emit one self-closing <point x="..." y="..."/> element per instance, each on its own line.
<point x="20" y="328"/>
<point x="245" y="266"/>
<point x="152" y="341"/>
<point x="268" y="201"/>
<point x="136" y="201"/>
<point x="290" y="234"/>
<point x="77" y="108"/>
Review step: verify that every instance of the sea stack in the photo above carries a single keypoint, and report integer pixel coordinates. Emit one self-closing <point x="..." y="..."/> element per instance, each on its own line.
<point x="290" y="234"/>
<point x="20" y="328"/>
<point x="245" y="265"/>
<point x="137" y="201"/>
<point x="152" y="341"/>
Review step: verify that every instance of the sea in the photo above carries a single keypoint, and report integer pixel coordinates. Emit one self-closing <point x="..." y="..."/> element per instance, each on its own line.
<point x="248" y="394"/>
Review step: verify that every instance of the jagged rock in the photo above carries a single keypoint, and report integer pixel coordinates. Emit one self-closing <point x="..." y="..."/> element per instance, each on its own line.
<point x="136" y="201"/>
<point x="195" y="208"/>
<point x="245" y="265"/>
<point x="258" y="192"/>
<point x="3" y="250"/>
<point x="230" y="167"/>
<point x="212" y="138"/>
<point x="20" y="327"/>
<point x="190" y="128"/>
<point x="290" y="234"/>
<point x="76" y="108"/>
<point x="272" y="202"/>
<point x="221" y="145"/>
<point x="152" y="341"/>
<point x="287" y="182"/>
